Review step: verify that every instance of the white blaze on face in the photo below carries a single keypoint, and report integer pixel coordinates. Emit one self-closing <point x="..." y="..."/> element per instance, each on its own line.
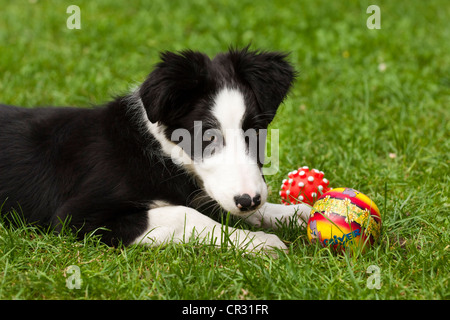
<point x="231" y="171"/>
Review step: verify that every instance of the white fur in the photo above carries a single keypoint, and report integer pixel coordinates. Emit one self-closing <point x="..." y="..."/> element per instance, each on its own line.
<point x="179" y="224"/>
<point x="271" y="215"/>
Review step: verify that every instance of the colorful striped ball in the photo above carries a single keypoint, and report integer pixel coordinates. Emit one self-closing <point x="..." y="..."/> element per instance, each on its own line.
<point x="343" y="218"/>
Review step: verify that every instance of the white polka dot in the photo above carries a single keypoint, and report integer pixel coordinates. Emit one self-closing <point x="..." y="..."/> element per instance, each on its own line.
<point x="301" y="184"/>
<point x="302" y="173"/>
<point x="310" y="179"/>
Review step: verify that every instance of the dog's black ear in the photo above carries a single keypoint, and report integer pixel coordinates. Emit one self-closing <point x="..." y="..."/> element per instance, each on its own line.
<point x="174" y="85"/>
<point x="269" y="75"/>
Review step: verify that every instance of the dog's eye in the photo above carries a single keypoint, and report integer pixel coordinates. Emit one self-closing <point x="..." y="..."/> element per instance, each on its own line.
<point x="213" y="142"/>
<point x="211" y="135"/>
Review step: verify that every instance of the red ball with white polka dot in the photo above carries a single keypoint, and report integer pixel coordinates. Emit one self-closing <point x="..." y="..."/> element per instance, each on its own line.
<point x="303" y="186"/>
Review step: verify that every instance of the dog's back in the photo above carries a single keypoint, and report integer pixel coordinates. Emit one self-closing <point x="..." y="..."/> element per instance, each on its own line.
<point x="37" y="147"/>
<point x="89" y="165"/>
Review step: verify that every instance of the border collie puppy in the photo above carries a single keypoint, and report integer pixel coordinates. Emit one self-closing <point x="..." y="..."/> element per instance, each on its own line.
<point x="131" y="170"/>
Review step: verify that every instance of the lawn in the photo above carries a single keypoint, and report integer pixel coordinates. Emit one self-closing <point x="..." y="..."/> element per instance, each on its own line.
<point x="371" y="108"/>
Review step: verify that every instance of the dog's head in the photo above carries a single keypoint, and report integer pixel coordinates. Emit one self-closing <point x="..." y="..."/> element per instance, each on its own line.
<point x="211" y="116"/>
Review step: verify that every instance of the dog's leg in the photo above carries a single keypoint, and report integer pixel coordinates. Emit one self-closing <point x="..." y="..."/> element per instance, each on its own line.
<point x="178" y="224"/>
<point x="270" y="215"/>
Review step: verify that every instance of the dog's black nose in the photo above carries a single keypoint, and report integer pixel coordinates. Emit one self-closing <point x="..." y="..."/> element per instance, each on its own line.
<point x="244" y="202"/>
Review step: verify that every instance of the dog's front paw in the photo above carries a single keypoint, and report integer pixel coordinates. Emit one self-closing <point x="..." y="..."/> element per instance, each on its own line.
<point x="273" y="215"/>
<point x="263" y="242"/>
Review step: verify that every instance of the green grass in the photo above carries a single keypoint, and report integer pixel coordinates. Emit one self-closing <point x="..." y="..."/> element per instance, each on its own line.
<point x="371" y="109"/>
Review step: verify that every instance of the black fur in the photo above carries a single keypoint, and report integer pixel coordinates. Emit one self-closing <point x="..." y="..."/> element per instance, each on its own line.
<point x="100" y="168"/>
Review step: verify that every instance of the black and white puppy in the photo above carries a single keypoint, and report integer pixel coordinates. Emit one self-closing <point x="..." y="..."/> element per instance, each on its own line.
<point x="131" y="169"/>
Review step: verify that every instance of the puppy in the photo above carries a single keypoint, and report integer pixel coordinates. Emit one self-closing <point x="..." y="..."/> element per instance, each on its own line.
<point x="160" y="164"/>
